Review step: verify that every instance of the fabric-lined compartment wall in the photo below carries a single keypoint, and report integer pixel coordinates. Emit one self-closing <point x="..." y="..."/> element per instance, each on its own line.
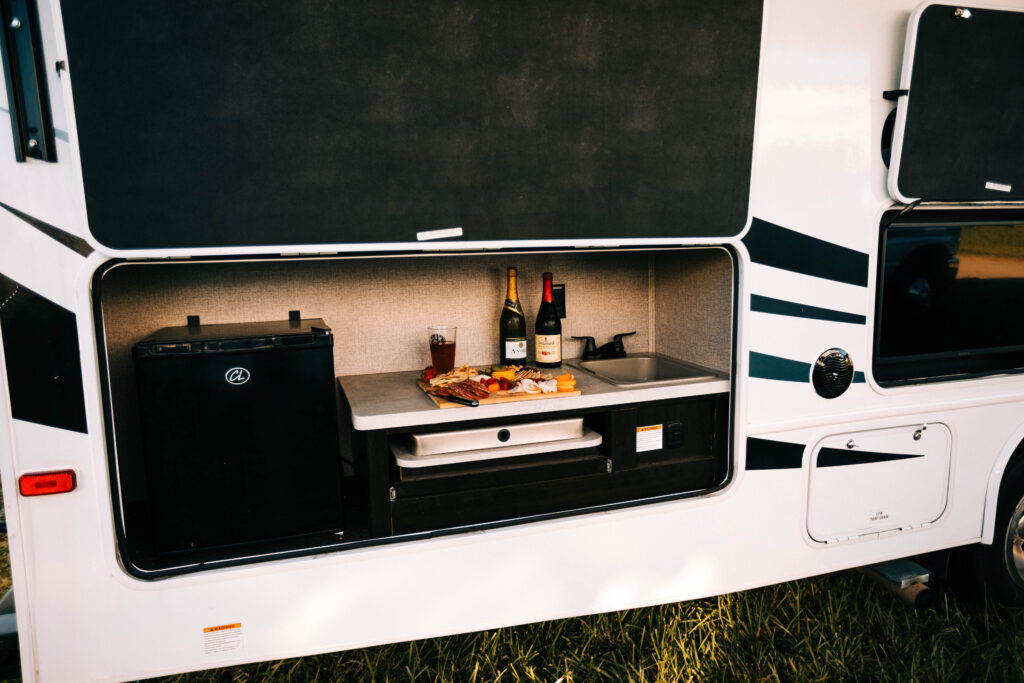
<point x="960" y="124"/>
<point x="265" y="123"/>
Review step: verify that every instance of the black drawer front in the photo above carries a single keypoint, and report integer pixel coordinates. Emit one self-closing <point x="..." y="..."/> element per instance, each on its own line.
<point x="492" y="504"/>
<point x="426" y="481"/>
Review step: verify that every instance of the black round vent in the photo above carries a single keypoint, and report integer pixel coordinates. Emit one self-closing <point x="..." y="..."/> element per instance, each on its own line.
<point x="832" y="374"/>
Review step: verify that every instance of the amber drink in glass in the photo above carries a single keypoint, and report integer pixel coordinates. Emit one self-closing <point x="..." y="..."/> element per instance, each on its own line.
<point x="442" y="347"/>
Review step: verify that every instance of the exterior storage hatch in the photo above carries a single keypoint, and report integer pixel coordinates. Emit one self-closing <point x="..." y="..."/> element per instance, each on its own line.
<point x="865" y="483"/>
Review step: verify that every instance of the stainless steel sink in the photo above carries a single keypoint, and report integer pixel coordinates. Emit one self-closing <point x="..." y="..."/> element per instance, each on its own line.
<point x="645" y="369"/>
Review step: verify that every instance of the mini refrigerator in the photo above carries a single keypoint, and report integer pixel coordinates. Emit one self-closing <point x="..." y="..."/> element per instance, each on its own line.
<point x="240" y="441"/>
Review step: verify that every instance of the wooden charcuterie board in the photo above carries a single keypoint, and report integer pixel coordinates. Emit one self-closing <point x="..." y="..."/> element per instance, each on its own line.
<point x="496" y="397"/>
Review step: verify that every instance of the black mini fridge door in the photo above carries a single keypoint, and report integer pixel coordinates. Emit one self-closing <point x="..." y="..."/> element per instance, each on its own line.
<point x="239" y="439"/>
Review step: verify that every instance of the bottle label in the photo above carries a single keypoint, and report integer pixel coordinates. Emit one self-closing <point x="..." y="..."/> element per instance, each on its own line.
<point x="515" y="349"/>
<point x="549" y="348"/>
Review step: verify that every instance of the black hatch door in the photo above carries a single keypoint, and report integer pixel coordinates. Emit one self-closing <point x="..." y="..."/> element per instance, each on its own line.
<point x="958" y="135"/>
<point x="218" y="123"/>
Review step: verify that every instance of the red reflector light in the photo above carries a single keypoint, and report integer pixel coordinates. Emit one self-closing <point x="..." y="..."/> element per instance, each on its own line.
<point x="46" y="482"/>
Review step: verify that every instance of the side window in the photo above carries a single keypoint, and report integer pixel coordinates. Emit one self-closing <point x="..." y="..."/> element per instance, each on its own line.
<point x="946" y="293"/>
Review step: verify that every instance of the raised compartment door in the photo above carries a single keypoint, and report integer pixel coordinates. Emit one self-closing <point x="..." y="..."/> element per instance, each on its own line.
<point x="264" y="124"/>
<point x="961" y="109"/>
<point x="864" y="483"/>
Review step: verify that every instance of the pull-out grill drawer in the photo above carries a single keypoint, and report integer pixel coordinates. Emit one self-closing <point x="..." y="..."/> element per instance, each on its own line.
<point x="435" y="449"/>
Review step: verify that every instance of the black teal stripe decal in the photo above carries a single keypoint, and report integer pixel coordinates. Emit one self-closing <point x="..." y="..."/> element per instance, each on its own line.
<point x="765" y="454"/>
<point x="764" y="366"/>
<point x="44" y="372"/>
<point x="837" y="457"/>
<point x="778" y="247"/>
<point x="66" y="238"/>
<point x="766" y="304"/>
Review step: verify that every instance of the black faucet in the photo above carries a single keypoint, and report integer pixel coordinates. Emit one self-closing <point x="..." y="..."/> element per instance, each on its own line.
<point x="613" y="349"/>
<point x="590" y="349"/>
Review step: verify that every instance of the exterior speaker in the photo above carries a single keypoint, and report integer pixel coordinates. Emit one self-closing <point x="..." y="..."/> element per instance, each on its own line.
<point x="832" y="374"/>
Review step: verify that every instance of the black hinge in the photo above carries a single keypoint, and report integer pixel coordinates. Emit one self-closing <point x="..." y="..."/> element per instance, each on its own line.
<point x="25" y="74"/>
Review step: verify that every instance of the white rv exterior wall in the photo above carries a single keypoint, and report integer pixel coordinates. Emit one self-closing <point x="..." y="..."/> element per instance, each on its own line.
<point x="50" y="192"/>
<point x="816" y="170"/>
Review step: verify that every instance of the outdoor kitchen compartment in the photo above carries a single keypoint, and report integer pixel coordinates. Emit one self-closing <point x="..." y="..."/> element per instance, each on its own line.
<point x="239" y="436"/>
<point x="309" y="467"/>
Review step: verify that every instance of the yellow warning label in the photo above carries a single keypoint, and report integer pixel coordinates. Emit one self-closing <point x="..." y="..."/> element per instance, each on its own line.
<point x="225" y="627"/>
<point x="648" y="429"/>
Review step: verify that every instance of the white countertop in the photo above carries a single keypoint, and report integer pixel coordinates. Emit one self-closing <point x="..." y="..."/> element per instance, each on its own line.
<point x="390" y="400"/>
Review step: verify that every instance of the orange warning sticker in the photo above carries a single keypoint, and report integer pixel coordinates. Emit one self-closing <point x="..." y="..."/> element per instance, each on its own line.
<point x="223" y="638"/>
<point x="648" y="438"/>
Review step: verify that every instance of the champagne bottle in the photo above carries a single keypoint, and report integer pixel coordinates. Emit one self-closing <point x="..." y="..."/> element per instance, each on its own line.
<point x="548" y="330"/>
<point x="512" y="326"/>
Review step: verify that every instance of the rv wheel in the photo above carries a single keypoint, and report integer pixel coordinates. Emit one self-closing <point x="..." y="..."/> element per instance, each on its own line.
<point x="998" y="569"/>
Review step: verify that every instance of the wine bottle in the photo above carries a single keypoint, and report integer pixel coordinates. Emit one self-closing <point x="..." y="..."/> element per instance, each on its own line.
<point x="548" y="330"/>
<point x="512" y="326"/>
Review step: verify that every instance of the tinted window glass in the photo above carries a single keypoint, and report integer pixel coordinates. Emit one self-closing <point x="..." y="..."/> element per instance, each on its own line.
<point x="947" y="301"/>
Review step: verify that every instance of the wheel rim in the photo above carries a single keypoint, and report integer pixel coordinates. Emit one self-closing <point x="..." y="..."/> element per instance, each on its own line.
<point x="1015" y="545"/>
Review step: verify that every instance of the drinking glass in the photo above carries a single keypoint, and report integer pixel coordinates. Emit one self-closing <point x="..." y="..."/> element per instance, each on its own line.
<point x="442" y="347"/>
